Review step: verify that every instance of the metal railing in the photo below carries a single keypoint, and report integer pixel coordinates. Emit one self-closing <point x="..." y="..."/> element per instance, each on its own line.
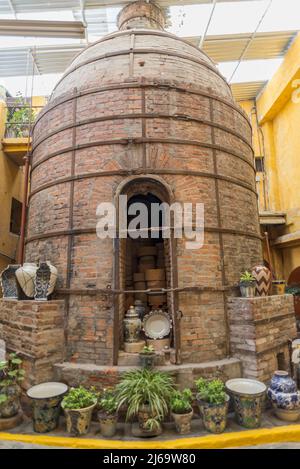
<point x="19" y="118"/>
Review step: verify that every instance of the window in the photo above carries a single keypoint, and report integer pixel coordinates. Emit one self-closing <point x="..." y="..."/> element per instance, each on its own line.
<point x="259" y="164"/>
<point x="15" y="217"/>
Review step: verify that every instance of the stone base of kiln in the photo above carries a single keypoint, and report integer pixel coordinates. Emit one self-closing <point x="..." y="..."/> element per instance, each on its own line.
<point x="75" y="374"/>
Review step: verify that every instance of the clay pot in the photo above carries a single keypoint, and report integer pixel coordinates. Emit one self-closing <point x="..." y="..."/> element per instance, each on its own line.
<point x="156" y="284"/>
<point x="46" y="399"/>
<point x="11" y="406"/>
<point x="146" y="251"/>
<point x="45" y="280"/>
<point x="157" y="300"/>
<point x="248" y="290"/>
<point x="144" y="414"/>
<point x="263" y="278"/>
<point x="140" y="308"/>
<point x="155" y="274"/>
<point x="143" y="266"/>
<point x="278" y="287"/>
<point x="139" y="277"/>
<point x="132" y="326"/>
<point x="108" y="424"/>
<point x="214" y="416"/>
<point x="287" y="415"/>
<point x="26" y="277"/>
<point x="248" y="397"/>
<point x="78" y="420"/>
<point x="147" y="360"/>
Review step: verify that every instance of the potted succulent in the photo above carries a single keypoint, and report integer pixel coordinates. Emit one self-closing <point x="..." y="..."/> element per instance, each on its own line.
<point x="78" y="405"/>
<point x="146" y="394"/>
<point x="182" y="411"/>
<point x="147" y="356"/>
<point x="247" y="285"/>
<point x="11" y="375"/>
<point x="213" y="404"/>
<point x="107" y="414"/>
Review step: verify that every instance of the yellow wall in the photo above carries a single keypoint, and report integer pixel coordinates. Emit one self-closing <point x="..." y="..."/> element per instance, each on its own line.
<point x="278" y="138"/>
<point x="11" y="185"/>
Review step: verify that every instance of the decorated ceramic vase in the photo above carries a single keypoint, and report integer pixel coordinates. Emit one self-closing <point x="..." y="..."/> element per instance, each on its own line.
<point x="283" y="392"/>
<point x="263" y="278"/>
<point x="214" y="416"/>
<point x="9" y="282"/>
<point x="26" y="277"/>
<point x="45" y="281"/>
<point x="11" y="406"/>
<point x="132" y="326"/>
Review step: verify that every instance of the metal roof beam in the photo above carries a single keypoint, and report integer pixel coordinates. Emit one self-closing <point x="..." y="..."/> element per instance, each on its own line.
<point x="33" y="28"/>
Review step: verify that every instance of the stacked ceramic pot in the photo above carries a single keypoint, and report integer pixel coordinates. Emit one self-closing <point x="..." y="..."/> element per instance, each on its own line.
<point x="140" y="284"/>
<point x="155" y="280"/>
<point x="160" y="260"/>
<point x="284" y="396"/>
<point x="146" y="258"/>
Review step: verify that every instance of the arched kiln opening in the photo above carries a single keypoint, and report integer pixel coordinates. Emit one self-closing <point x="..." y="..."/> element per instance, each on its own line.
<point x="145" y="273"/>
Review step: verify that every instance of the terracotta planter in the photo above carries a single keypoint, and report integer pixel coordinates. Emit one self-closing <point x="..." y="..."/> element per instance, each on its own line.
<point x="78" y="420"/>
<point x="214" y="416"/>
<point x="11" y="406"/>
<point x="263" y="278"/>
<point x="46" y="399"/>
<point x="183" y="422"/>
<point x="248" y="291"/>
<point x="139" y="277"/>
<point x="248" y="397"/>
<point x="144" y="414"/>
<point x="108" y="424"/>
<point x="155" y="274"/>
<point x="147" y="360"/>
<point x="287" y="415"/>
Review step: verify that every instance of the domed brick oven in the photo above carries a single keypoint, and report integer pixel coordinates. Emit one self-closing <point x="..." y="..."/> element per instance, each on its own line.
<point x="143" y="114"/>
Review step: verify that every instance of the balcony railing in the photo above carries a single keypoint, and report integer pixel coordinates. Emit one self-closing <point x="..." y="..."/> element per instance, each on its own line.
<point x="19" y="120"/>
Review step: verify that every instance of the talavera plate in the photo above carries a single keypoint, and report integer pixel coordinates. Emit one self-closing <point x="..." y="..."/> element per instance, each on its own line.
<point x="157" y="324"/>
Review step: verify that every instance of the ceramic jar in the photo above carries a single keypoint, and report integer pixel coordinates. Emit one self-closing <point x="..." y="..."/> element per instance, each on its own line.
<point x="248" y="290"/>
<point x="45" y="281"/>
<point x="183" y="422"/>
<point x="26" y="277"/>
<point x="283" y="392"/>
<point x="248" y="396"/>
<point x="147" y="359"/>
<point x="263" y="278"/>
<point x="132" y="326"/>
<point x="214" y="416"/>
<point x="46" y="399"/>
<point x="9" y="283"/>
<point x="140" y="308"/>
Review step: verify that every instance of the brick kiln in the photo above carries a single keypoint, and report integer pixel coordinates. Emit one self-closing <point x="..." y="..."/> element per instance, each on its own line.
<point x="145" y="114"/>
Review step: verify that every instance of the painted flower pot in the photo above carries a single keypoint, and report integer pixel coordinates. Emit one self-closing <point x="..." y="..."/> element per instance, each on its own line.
<point x="248" y="291"/>
<point x="108" y="424"/>
<point x="78" y="420"/>
<point x="144" y="414"/>
<point x="214" y="416"/>
<point x="147" y="360"/>
<point x="248" y="397"/>
<point x="263" y="278"/>
<point x="183" y="422"/>
<point x="11" y="406"/>
<point x="46" y="399"/>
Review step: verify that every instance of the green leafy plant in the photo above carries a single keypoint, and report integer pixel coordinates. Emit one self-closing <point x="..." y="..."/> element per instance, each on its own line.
<point x="108" y="402"/>
<point x="293" y="290"/>
<point x="20" y="117"/>
<point x="145" y="387"/>
<point x="147" y="350"/>
<point x="246" y="278"/>
<point x="181" y="401"/>
<point x="152" y="424"/>
<point x="11" y="374"/>
<point x="80" y="398"/>
<point x="211" y="391"/>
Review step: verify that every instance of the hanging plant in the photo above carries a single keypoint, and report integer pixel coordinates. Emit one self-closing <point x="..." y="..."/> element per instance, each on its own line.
<point x="19" y="118"/>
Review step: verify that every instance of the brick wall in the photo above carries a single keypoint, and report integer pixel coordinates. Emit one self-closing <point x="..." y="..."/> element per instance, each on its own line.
<point x="35" y="330"/>
<point x="260" y="329"/>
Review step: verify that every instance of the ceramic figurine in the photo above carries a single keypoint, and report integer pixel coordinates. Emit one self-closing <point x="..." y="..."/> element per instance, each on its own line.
<point x="132" y="325"/>
<point x="26" y="278"/>
<point x="9" y="283"/>
<point x="263" y="278"/>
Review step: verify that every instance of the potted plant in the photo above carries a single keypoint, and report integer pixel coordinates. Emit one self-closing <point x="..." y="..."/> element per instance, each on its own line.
<point x="182" y="411"/>
<point x="107" y="414"/>
<point x="146" y="394"/>
<point x="295" y="291"/>
<point x="11" y="375"/>
<point x="78" y="405"/>
<point x="213" y="404"/>
<point x="147" y="356"/>
<point x="247" y="285"/>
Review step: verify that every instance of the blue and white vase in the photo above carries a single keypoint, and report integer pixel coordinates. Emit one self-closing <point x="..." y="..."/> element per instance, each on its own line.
<point x="283" y="392"/>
